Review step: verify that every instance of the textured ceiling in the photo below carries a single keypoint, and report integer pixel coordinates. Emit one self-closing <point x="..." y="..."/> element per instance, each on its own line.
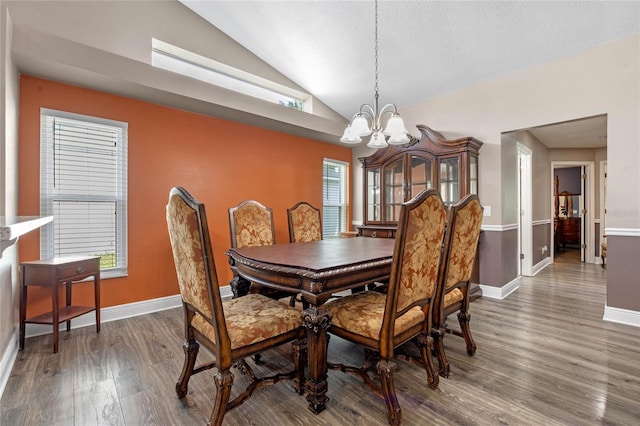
<point x="426" y="48"/>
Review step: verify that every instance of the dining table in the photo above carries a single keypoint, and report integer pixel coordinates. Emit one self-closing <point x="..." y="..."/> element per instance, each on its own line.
<point x="316" y="271"/>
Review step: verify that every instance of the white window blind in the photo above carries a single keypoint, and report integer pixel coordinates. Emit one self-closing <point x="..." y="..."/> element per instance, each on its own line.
<point x="334" y="196"/>
<point x="83" y="185"/>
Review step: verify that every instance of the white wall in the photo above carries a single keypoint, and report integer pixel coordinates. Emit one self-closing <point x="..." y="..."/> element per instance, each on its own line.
<point x="603" y="80"/>
<point x="9" y="289"/>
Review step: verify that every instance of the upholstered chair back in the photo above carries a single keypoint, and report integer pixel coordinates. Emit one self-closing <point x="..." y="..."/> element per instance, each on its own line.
<point x="416" y="260"/>
<point x="305" y="223"/>
<point x="251" y="224"/>
<point x="195" y="269"/>
<point x="465" y="220"/>
<point x="421" y="231"/>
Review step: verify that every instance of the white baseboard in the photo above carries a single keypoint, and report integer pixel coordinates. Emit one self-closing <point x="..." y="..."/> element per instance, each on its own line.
<point x="111" y="313"/>
<point x="622" y="316"/>
<point x="500" y="292"/>
<point x="114" y="313"/>
<point x="7" y="361"/>
<point x="541" y="265"/>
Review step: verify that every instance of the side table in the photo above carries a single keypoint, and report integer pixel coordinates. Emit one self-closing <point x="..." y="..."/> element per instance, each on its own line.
<point x="53" y="273"/>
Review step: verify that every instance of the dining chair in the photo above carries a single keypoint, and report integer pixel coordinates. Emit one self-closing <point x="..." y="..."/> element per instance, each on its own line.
<point x="251" y="224"/>
<point x="382" y="322"/>
<point x="459" y="254"/>
<point x="305" y="223"/>
<point x="232" y="330"/>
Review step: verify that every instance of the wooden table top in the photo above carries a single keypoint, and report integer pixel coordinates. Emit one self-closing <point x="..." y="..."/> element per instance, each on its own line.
<point x="319" y="256"/>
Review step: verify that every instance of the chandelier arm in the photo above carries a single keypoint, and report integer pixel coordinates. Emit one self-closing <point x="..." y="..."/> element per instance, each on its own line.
<point x="394" y="109"/>
<point x="368" y="110"/>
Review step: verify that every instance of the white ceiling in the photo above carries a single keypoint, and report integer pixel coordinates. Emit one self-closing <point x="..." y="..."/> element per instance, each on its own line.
<point x="426" y="48"/>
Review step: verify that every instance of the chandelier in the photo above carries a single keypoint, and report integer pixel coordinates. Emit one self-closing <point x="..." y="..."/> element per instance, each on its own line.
<point x="369" y="119"/>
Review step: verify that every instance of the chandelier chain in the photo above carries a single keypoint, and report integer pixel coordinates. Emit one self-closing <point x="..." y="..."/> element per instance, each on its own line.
<point x="376" y="46"/>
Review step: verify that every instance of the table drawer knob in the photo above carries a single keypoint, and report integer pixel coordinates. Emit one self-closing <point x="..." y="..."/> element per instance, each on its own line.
<point x="79" y="269"/>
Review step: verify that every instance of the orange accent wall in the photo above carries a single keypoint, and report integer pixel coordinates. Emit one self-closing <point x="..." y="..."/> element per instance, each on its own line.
<point x="220" y="162"/>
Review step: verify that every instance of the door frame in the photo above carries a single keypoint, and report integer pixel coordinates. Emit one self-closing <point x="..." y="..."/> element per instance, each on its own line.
<point x="603" y="205"/>
<point x="525" y="205"/>
<point x="589" y="218"/>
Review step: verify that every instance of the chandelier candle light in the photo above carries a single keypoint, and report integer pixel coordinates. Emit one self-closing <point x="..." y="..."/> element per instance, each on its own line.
<point x="359" y="126"/>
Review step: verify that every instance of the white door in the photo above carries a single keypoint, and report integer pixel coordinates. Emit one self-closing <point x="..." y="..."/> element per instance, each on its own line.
<point x="525" y="215"/>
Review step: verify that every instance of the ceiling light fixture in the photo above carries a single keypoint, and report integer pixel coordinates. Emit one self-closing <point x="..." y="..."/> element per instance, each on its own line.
<point x="360" y="127"/>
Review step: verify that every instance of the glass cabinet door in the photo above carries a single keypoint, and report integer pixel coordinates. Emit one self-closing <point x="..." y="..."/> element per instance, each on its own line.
<point x="473" y="175"/>
<point x="393" y="189"/>
<point x="373" y="195"/>
<point x="449" y="180"/>
<point x="421" y="177"/>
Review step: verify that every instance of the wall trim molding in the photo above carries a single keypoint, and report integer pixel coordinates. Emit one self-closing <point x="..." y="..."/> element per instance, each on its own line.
<point x="500" y="292"/>
<point x="622" y="232"/>
<point x="500" y="228"/>
<point x="112" y="313"/>
<point x="7" y="361"/>
<point x="541" y="265"/>
<point x="541" y="222"/>
<point x="622" y="316"/>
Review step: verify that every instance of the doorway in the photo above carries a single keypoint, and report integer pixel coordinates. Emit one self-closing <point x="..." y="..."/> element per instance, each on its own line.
<point x="572" y="211"/>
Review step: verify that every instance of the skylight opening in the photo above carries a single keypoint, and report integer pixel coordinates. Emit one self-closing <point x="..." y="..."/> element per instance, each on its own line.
<point x="181" y="61"/>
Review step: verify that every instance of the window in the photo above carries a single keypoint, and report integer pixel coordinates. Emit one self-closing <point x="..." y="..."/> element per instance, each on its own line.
<point x="334" y="198"/>
<point x="181" y="61"/>
<point x="83" y="185"/>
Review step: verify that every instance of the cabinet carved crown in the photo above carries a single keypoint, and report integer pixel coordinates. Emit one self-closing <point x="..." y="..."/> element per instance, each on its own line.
<point x="396" y="174"/>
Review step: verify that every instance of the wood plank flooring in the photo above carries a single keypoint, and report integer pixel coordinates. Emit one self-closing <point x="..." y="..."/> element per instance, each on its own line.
<point x="545" y="357"/>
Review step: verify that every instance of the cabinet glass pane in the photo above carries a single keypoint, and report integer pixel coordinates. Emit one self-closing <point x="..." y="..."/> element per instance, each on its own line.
<point x="420" y="175"/>
<point x="393" y="189"/>
<point x="449" y="180"/>
<point x="373" y="195"/>
<point x="473" y="175"/>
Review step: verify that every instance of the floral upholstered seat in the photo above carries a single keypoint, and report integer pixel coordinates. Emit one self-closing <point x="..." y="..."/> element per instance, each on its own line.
<point x="232" y="330"/>
<point x="459" y="254"/>
<point x="305" y="223"/>
<point x="382" y="322"/>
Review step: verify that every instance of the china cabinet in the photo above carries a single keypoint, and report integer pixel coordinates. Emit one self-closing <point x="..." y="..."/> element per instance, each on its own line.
<point x="396" y="174"/>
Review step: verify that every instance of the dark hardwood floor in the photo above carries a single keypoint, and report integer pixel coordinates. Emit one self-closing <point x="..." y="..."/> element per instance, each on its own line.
<point x="545" y="357"/>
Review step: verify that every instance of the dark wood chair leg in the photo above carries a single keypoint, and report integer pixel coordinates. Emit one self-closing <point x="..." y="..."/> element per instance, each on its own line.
<point x="299" y="360"/>
<point x="438" y="334"/>
<point x="224" y="381"/>
<point x="190" y="354"/>
<point x="464" y="318"/>
<point x="425" y="343"/>
<point x="385" y="370"/>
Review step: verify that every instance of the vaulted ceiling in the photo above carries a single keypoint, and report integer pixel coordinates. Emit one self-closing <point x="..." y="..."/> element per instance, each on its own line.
<point x="426" y="48"/>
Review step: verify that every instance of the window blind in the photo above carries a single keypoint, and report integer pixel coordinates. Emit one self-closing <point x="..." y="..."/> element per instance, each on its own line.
<point x="83" y="185"/>
<point x="334" y="208"/>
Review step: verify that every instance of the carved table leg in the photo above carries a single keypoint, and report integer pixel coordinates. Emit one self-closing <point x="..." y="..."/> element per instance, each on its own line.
<point x="317" y="323"/>
<point x="239" y="286"/>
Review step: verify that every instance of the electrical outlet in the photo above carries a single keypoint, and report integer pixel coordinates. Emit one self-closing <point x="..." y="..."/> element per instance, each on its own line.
<point x="487" y="211"/>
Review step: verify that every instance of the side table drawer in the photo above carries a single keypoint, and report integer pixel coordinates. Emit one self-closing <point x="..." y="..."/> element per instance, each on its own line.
<point x="78" y="270"/>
